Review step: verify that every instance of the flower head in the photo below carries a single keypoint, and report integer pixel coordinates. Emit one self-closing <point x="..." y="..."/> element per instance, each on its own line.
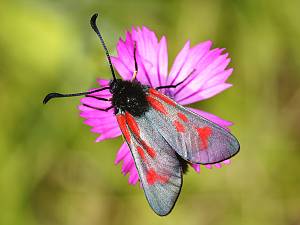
<point x="204" y="71"/>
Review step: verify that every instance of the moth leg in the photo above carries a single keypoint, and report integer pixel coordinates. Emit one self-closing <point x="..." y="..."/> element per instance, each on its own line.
<point x="168" y="86"/>
<point x="175" y="85"/>
<point x="98" y="98"/>
<point x="135" y="63"/>
<point x="105" y="110"/>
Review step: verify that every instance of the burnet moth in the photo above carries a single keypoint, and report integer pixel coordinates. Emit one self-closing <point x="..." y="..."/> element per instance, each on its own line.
<point x="162" y="135"/>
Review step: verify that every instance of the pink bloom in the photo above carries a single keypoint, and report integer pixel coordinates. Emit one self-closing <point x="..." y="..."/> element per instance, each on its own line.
<point x="208" y="74"/>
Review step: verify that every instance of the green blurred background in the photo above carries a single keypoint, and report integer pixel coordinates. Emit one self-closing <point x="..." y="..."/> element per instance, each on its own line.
<point x="52" y="172"/>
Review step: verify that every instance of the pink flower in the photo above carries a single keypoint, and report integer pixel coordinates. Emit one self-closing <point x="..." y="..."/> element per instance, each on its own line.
<point x="208" y="75"/>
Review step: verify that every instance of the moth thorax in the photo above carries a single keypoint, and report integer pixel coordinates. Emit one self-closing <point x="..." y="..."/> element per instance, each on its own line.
<point x="129" y="96"/>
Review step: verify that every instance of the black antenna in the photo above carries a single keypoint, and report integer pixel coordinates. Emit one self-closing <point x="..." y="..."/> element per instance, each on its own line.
<point x="58" y="95"/>
<point x="95" y="28"/>
<point x="134" y="57"/>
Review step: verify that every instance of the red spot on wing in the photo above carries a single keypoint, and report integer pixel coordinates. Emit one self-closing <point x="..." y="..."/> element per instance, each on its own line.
<point x="204" y="134"/>
<point x="132" y="124"/>
<point x="157" y="105"/>
<point x="122" y="123"/>
<point x="152" y="177"/>
<point x="141" y="153"/>
<point x="179" y="127"/>
<point x="162" y="97"/>
<point x="149" y="150"/>
<point x="183" y="117"/>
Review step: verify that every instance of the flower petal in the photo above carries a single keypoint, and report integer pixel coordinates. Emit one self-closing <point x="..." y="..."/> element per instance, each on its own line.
<point x="109" y="134"/>
<point x="207" y="75"/>
<point x="123" y="70"/>
<point x="87" y="112"/>
<point x="128" y="166"/>
<point x="178" y="63"/>
<point x="124" y="62"/>
<point x="103" y="123"/>
<point x="218" y="165"/>
<point x="227" y="161"/>
<point x="125" y="50"/>
<point x="103" y="82"/>
<point x="218" y="79"/>
<point x="187" y="61"/>
<point x="204" y="94"/>
<point x="122" y="153"/>
<point x="128" y="163"/>
<point x="196" y="167"/>
<point x="208" y="166"/>
<point x="133" y="176"/>
<point x="151" y="55"/>
<point x="93" y="122"/>
<point x="90" y="101"/>
<point x="204" y="66"/>
<point x="162" y="61"/>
